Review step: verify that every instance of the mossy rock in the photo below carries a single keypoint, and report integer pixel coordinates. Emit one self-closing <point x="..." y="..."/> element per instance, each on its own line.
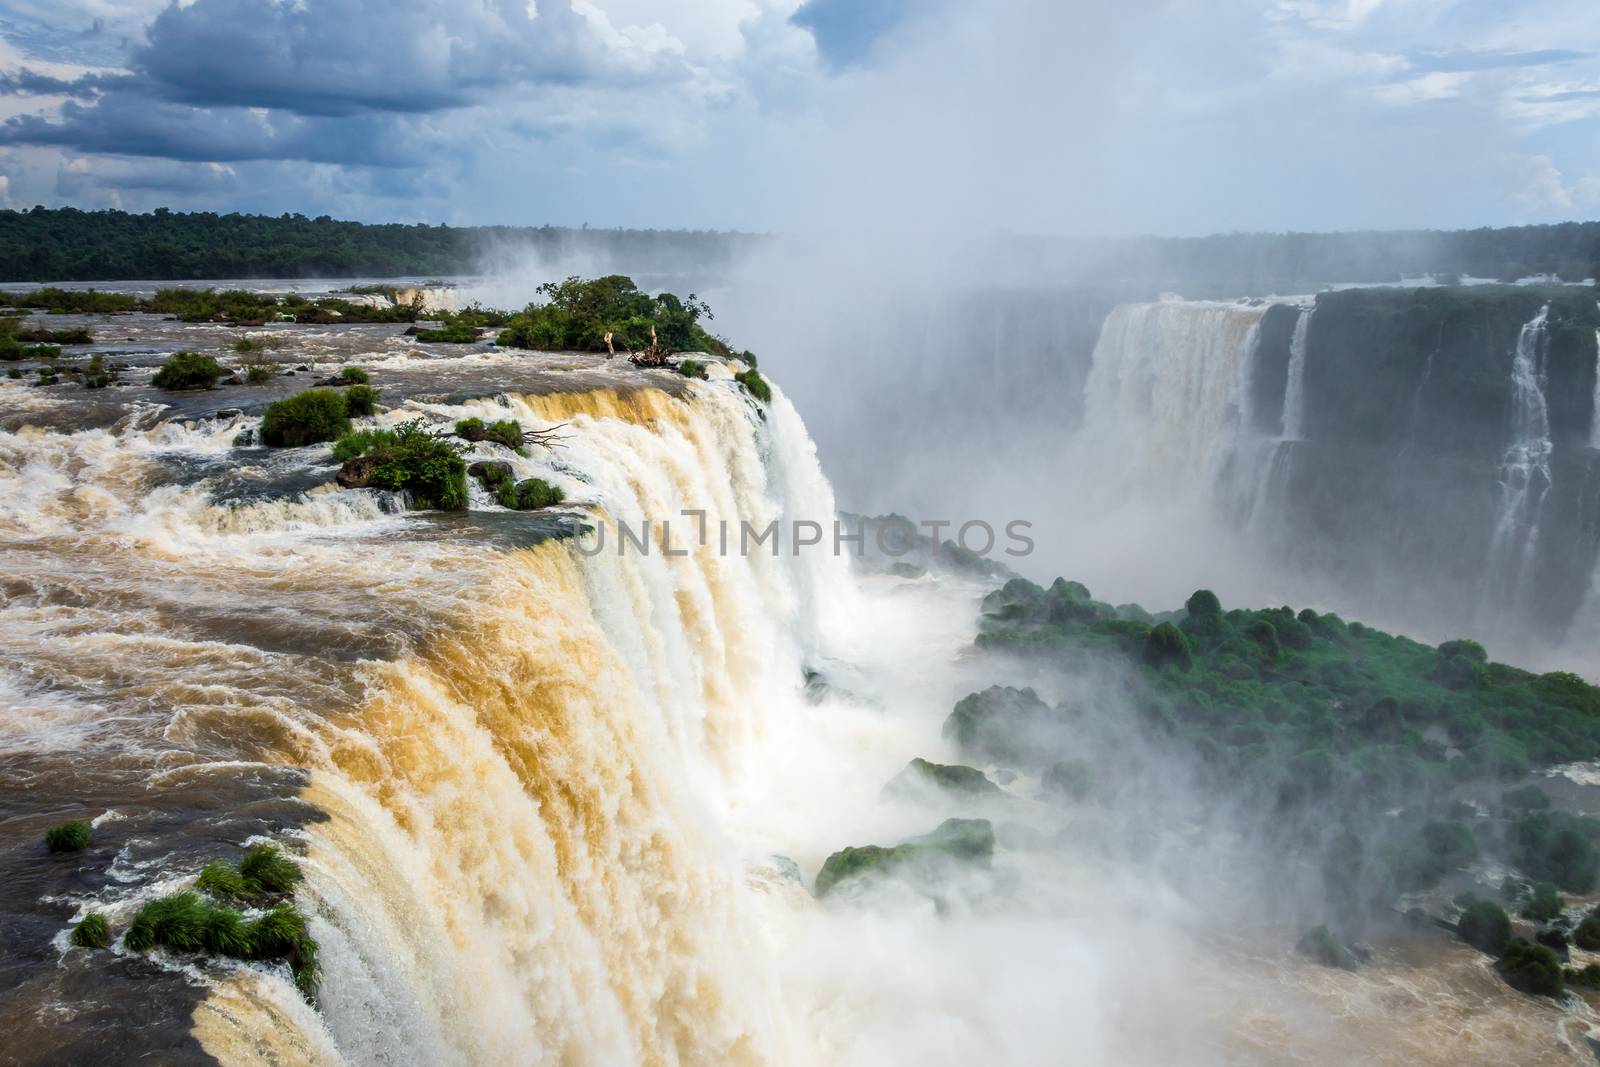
<point x="1004" y="725"/>
<point x="1071" y="778"/>
<point x="920" y="777"/>
<point x="1319" y="945"/>
<point x="958" y="841"/>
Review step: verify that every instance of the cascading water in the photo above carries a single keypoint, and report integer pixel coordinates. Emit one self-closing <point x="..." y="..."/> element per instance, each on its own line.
<point x="1167" y="401"/>
<point x="1594" y="410"/>
<point x="1294" y="395"/>
<point x="1525" y="473"/>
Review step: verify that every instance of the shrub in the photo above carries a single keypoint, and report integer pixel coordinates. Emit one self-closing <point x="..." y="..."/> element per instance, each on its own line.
<point x="305" y="419"/>
<point x="1587" y="935"/>
<point x="1544" y="905"/>
<point x="1166" y="645"/>
<point x="1531" y="968"/>
<point x="188" y="370"/>
<point x="257" y="373"/>
<point x="506" y="432"/>
<point x="755" y="385"/>
<point x="531" y="494"/>
<point x="96" y="375"/>
<point x="354" y="376"/>
<point x="1552" y="845"/>
<point x="92" y="931"/>
<point x="1484" y="925"/>
<point x="692" y="368"/>
<point x="223" y="933"/>
<point x="68" y="837"/>
<point x="451" y="334"/>
<point x="577" y="314"/>
<point x="1203" y="602"/>
<point x="408" y="458"/>
<point x="360" y="401"/>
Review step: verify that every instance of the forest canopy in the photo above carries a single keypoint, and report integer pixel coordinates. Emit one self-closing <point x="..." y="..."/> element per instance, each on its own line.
<point x="68" y="244"/>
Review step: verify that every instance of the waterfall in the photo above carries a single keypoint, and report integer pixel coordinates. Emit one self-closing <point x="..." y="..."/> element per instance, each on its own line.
<point x="1167" y="401"/>
<point x="1525" y="473"/>
<point x="1594" y="410"/>
<point x="524" y="848"/>
<point x="1294" y="398"/>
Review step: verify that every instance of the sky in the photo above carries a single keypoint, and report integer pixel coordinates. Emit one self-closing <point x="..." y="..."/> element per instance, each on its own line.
<point x="1077" y="117"/>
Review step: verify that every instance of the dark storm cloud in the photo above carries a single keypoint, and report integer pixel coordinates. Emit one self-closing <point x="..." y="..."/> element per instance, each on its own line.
<point x="343" y="57"/>
<point x="129" y="125"/>
<point x="330" y="82"/>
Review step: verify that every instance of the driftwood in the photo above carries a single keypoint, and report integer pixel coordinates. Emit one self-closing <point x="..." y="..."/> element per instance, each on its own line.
<point x="653" y="354"/>
<point x="547" y="438"/>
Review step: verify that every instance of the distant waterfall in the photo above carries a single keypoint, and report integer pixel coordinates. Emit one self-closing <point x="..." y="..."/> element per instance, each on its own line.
<point x="1594" y="416"/>
<point x="1294" y="395"/>
<point x="1167" y="401"/>
<point x="1525" y="474"/>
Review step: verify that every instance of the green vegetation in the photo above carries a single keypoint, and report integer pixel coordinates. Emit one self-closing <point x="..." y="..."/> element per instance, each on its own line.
<point x="305" y="419"/>
<point x="68" y="837"/>
<point x="188" y="922"/>
<point x="755" y="385"/>
<point x="1531" y="968"/>
<point x="1319" y="945"/>
<point x="1544" y="903"/>
<point x="576" y="315"/>
<point x="188" y="370"/>
<point x="74" y="301"/>
<point x="530" y="494"/>
<point x="505" y="432"/>
<point x="91" y="931"/>
<point x="1485" y="926"/>
<point x="455" y="333"/>
<point x="692" y="368"/>
<point x="78" y="335"/>
<point x="1587" y="935"/>
<point x="68" y="244"/>
<point x="97" y="374"/>
<point x="354" y="376"/>
<point x="966" y="841"/>
<point x="1556" y="846"/>
<point x="360" y="401"/>
<point x="1004" y="725"/>
<point x="409" y="458"/>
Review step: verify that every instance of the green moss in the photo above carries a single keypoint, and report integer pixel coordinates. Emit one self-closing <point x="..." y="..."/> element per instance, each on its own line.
<point x="1531" y="968"/>
<point x="68" y="837"/>
<point x="188" y="370"/>
<point x="1485" y="926"/>
<point x="306" y="418"/>
<point x="91" y="931"/>
<point x="755" y="385"/>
